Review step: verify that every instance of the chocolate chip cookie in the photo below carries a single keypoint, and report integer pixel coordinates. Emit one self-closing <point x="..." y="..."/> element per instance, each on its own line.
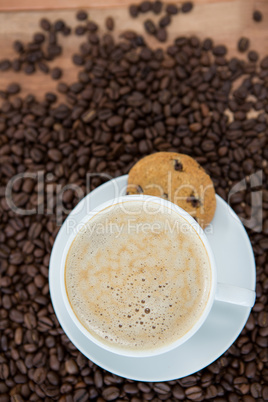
<point x="177" y="178"/>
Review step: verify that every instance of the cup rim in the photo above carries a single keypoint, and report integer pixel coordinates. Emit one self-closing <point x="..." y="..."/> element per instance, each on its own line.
<point x="203" y="238"/>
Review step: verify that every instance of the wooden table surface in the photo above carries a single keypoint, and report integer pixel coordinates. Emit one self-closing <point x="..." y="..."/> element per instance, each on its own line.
<point x="223" y="20"/>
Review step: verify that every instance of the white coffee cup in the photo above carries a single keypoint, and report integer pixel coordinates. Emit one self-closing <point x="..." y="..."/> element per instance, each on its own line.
<point x="218" y="291"/>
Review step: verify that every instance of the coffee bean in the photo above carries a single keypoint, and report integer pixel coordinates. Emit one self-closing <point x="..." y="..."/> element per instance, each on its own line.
<point x="150" y="27"/>
<point x="133" y="10"/>
<point x="164" y="21"/>
<point x="264" y="63"/>
<point x="56" y="73"/>
<point x="45" y="24"/>
<point x="253" y="56"/>
<point x="219" y="50"/>
<point x="109" y="23"/>
<point x="39" y="37"/>
<point x="66" y="31"/>
<point x="128" y="101"/>
<point x="172" y="9"/>
<point x="161" y="34"/>
<point x="29" y="69"/>
<point x="257" y="16"/>
<point x="43" y="67"/>
<point x="145" y="6"/>
<point x="243" y="44"/>
<point x="80" y="30"/>
<point x="59" y="25"/>
<point x="193" y="393"/>
<point x="81" y="15"/>
<point x="186" y="7"/>
<point x="157" y="7"/>
<point x="13" y="89"/>
<point x="71" y="367"/>
<point x="5" y="65"/>
<point x="161" y="388"/>
<point x="18" y="46"/>
<point x="115" y="121"/>
<point x="110" y="393"/>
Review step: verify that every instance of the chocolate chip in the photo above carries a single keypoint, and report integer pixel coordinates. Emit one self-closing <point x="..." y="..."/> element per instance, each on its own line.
<point x="178" y="166"/>
<point x="195" y="202"/>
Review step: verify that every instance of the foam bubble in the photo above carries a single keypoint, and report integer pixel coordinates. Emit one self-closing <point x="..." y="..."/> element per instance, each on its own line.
<point x="117" y="309"/>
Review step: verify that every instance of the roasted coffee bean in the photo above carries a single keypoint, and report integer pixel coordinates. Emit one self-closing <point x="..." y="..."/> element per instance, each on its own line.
<point x="18" y="46"/>
<point x="253" y="56"/>
<point x="161" y="34"/>
<point x="145" y="6"/>
<point x="92" y="26"/>
<point x="243" y="44"/>
<point x="45" y="24"/>
<point x="13" y="89"/>
<point x="56" y="73"/>
<point x="157" y="7"/>
<point x="110" y="393"/>
<point x="109" y="23"/>
<point x="66" y="31"/>
<point x="133" y="10"/>
<point x="81" y="15"/>
<point x="150" y="27"/>
<point x="219" y="50"/>
<point x="257" y="16"/>
<point x="172" y="9"/>
<point x="5" y="65"/>
<point x="264" y="63"/>
<point x="186" y="7"/>
<point x="164" y="21"/>
<point x="39" y="37"/>
<point x="128" y="101"/>
<point x="80" y="30"/>
<point x="78" y="59"/>
<point x="29" y="69"/>
<point x="59" y="25"/>
<point x="43" y="67"/>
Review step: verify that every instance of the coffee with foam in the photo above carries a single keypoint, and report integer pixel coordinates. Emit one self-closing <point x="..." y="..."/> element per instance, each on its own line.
<point x="137" y="278"/>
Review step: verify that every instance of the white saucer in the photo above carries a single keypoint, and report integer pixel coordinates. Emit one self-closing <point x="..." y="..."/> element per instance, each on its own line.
<point x="235" y="264"/>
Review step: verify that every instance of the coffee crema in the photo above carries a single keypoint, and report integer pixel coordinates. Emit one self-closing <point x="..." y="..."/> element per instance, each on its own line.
<point x="137" y="280"/>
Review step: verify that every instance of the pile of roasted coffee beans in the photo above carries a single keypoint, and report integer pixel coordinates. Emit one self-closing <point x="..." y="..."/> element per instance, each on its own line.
<point x="156" y="7"/>
<point x="129" y="101"/>
<point x="36" y="54"/>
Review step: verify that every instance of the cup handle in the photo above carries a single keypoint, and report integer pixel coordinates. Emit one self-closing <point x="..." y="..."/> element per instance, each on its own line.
<point x="235" y="295"/>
